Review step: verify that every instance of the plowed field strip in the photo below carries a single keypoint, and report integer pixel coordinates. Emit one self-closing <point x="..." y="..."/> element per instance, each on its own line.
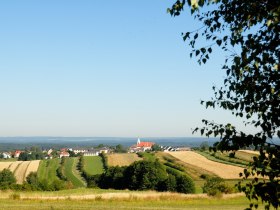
<point x="20" y="172"/>
<point x="32" y="167"/>
<point x="14" y="165"/>
<point x="222" y="170"/>
<point x="4" y="165"/>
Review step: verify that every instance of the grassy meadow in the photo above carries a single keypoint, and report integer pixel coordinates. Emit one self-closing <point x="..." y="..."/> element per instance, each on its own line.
<point x="70" y="171"/>
<point x="47" y="170"/>
<point x="93" y="165"/>
<point x="100" y="200"/>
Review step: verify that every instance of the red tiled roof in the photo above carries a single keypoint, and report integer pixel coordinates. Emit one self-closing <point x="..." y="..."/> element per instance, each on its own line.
<point x="64" y="153"/>
<point x="145" y="144"/>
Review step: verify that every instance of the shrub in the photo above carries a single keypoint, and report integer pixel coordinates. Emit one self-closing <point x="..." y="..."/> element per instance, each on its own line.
<point x="104" y="160"/>
<point x="185" y="184"/>
<point x="7" y="179"/>
<point x="214" y="186"/>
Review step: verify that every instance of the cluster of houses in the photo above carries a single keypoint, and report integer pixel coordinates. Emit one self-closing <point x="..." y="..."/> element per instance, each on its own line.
<point x="64" y="152"/>
<point x="8" y="155"/>
<point x="140" y="146"/>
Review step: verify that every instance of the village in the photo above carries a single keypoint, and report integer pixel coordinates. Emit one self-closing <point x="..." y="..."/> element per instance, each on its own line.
<point x="140" y="146"/>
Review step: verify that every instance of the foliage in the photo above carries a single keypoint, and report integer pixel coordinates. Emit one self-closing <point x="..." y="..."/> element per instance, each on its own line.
<point x="249" y="32"/>
<point x="60" y="170"/>
<point x="143" y="175"/>
<point x="156" y="148"/>
<point x="113" y="178"/>
<point x="35" y="155"/>
<point x="215" y="186"/>
<point x="7" y="179"/>
<point x="120" y="149"/>
<point x="149" y="156"/>
<point x="104" y="160"/>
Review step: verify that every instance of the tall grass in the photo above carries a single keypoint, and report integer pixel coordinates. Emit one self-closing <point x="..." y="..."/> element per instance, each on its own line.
<point x="131" y="202"/>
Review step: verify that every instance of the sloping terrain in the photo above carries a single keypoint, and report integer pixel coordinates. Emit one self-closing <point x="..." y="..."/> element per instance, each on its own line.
<point x="220" y="169"/>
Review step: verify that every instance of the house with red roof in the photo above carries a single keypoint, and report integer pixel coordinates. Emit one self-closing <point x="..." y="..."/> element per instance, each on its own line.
<point x="141" y="146"/>
<point x="17" y="153"/>
<point x="64" y="154"/>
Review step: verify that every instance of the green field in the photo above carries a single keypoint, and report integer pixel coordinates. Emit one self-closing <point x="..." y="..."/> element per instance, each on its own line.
<point x="222" y="158"/>
<point x="131" y="202"/>
<point x="47" y="170"/>
<point x="70" y="171"/>
<point x="93" y="165"/>
<point x="147" y="156"/>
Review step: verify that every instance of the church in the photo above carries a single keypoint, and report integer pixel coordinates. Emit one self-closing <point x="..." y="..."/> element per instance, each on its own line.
<point x="141" y="146"/>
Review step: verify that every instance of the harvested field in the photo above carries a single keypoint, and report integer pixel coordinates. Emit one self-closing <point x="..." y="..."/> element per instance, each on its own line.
<point x="124" y="159"/>
<point x="222" y="170"/>
<point x="21" y="171"/>
<point x="4" y="165"/>
<point x="250" y="152"/>
<point x="14" y="165"/>
<point x="32" y="167"/>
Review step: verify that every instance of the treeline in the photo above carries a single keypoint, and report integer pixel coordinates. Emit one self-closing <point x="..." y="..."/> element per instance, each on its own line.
<point x="141" y="175"/>
<point x="25" y="156"/>
<point x="60" y="169"/>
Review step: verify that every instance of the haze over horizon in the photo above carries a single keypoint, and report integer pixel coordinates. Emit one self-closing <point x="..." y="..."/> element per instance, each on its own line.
<point x="96" y="68"/>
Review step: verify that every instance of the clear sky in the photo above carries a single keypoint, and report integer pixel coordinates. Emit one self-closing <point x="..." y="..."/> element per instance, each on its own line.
<point x="101" y="68"/>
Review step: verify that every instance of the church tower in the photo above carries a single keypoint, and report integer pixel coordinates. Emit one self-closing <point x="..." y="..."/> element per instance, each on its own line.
<point x="138" y="141"/>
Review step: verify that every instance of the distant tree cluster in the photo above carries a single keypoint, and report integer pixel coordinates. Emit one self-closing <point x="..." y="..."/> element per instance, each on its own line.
<point x="27" y="156"/>
<point x="120" y="149"/>
<point x="143" y="175"/>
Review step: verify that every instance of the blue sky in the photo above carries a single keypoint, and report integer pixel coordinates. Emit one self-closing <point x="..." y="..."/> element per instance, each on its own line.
<point x="101" y="68"/>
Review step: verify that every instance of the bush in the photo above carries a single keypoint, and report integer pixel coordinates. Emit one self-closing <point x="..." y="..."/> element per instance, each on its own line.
<point x="214" y="186"/>
<point x="185" y="184"/>
<point x="7" y="179"/>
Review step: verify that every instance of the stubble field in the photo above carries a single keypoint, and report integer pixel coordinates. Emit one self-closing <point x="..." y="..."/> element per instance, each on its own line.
<point x="21" y="169"/>
<point x="123" y="159"/>
<point x="222" y="170"/>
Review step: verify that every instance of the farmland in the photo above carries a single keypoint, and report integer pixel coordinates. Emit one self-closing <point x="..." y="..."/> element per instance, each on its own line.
<point x="123" y="159"/>
<point x="93" y="165"/>
<point x="192" y="170"/>
<point x="47" y="170"/>
<point x="222" y="170"/>
<point x="21" y="169"/>
<point x="70" y="171"/>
